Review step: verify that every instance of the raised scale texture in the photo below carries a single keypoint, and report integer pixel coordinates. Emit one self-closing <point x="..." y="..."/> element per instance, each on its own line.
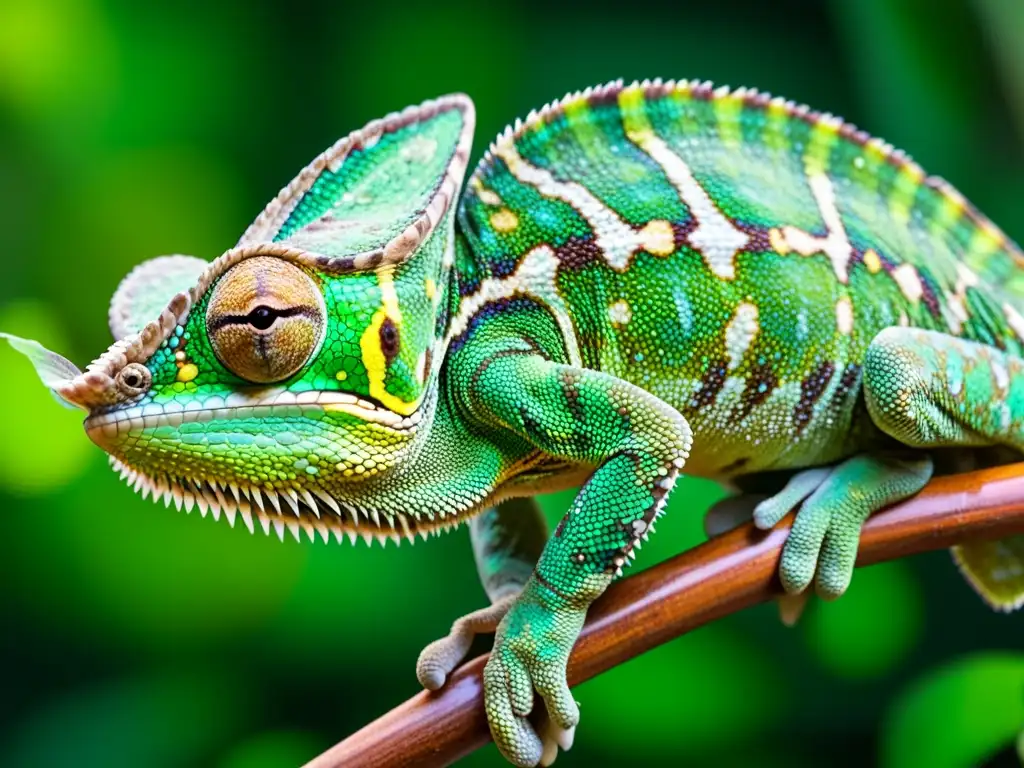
<point x="637" y="281"/>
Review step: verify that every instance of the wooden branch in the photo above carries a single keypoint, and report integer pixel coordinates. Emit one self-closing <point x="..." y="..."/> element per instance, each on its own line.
<point x="720" y="577"/>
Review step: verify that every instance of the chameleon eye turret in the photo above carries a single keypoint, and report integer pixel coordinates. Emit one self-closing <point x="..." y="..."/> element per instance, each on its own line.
<point x="265" y="319"/>
<point x="133" y="380"/>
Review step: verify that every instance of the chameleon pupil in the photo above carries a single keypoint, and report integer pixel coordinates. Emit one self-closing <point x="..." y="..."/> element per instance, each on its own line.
<point x="389" y="339"/>
<point x="262" y="318"/>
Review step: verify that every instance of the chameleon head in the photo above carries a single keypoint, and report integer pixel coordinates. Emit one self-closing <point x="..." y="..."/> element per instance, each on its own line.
<point x="287" y="379"/>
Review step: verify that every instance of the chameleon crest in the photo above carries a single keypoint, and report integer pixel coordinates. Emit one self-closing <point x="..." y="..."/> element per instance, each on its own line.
<point x="638" y="281"/>
<point x="301" y="360"/>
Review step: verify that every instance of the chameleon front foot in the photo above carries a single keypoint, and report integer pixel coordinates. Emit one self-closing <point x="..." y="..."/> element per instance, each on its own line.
<point x="822" y="546"/>
<point x="441" y="657"/>
<point x="530" y="654"/>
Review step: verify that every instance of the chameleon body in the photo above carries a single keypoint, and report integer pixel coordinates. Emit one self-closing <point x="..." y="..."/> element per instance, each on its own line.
<point x="637" y="281"/>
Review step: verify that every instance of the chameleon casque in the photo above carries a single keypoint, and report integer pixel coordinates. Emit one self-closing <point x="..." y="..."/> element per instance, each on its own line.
<point x="637" y="281"/>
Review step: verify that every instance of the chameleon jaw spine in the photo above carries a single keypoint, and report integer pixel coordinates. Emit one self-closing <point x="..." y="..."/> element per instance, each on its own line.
<point x="314" y="511"/>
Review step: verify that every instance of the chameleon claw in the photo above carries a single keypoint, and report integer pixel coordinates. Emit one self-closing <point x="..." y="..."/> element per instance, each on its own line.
<point x="555" y="739"/>
<point x="791" y="607"/>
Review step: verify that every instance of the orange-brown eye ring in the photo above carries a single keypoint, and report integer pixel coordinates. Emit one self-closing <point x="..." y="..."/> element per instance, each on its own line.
<point x="265" y="319"/>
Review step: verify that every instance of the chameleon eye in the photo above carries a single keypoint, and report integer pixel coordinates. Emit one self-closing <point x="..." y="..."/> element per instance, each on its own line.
<point x="265" y="318"/>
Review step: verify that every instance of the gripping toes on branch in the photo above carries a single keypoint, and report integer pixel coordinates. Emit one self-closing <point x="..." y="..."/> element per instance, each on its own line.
<point x="822" y="546"/>
<point x="530" y="654"/>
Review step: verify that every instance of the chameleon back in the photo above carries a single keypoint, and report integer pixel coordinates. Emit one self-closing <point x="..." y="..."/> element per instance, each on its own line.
<point x="734" y="255"/>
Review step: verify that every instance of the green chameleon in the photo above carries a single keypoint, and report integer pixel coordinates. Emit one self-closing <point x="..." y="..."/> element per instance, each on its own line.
<point x="637" y="281"/>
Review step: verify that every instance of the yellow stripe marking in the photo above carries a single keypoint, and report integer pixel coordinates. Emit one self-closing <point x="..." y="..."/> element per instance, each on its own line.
<point x="819" y="148"/>
<point x="872" y="261"/>
<point x="728" y="107"/>
<point x="504" y="220"/>
<point x="658" y="238"/>
<point x="776" y="126"/>
<point x="373" y="356"/>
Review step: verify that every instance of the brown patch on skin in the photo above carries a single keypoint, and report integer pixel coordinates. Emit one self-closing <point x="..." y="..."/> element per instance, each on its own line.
<point x="427" y="362"/>
<point x="681" y="232"/>
<point x="711" y="385"/>
<point x="577" y="253"/>
<point x="758" y="238"/>
<point x="761" y="382"/>
<point x="568" y="380"/>
<point x="603" y="96"/>
<point x="848" y="382"/>
<point x="704" y="91"/>
<point x="811" y="389"/>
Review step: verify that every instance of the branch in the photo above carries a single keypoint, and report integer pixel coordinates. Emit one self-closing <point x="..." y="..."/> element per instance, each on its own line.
<point x="726" y="574"/>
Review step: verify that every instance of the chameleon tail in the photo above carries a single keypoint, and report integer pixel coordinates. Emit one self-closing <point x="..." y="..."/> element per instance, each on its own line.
<point x="995" y="569"/>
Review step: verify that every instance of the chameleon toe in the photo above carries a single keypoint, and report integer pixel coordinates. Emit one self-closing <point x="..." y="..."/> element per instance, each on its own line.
<point x="513" y="734"/>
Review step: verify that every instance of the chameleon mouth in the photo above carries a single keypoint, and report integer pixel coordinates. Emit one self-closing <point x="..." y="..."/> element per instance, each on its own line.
<point x="111" y="425"/>
<point x="295" y="510"/>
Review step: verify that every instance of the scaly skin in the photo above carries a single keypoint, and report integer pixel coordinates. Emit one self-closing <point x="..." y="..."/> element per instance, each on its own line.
<point x="637" y="281"/>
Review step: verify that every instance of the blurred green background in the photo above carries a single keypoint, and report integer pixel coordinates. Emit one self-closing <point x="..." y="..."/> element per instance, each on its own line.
<point x="133" y="636"/>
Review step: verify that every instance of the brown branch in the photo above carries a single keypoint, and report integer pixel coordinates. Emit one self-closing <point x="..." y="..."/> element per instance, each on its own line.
<point x="720" y="577"/>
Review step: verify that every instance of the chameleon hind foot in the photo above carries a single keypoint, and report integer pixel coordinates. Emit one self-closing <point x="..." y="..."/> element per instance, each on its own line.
<point x="531" y="651"/>
<point x="822" y="545"/>
<point x="730" y="512"/>
<point x="441" y="657"/>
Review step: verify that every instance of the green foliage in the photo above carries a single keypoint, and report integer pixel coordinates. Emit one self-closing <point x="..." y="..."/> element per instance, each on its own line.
<point x="134" y="635"/>
<point x="958" y="715"/>
<point x="848" y="638"/>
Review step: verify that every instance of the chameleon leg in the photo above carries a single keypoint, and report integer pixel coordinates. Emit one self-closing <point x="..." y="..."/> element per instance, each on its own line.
<point x="507" y="541"/>
<point x="637" y="444"/>
<point x="928" y="389"/>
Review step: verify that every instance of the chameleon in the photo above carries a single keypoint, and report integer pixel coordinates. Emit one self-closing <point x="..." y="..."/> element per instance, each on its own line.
<point x="637" y="281"/>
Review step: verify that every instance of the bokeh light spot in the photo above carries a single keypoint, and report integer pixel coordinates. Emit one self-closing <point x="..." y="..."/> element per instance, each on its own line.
<point x="868" y="631"/>
<point x="55" y="55"/>
<point x="957" y="715"/>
